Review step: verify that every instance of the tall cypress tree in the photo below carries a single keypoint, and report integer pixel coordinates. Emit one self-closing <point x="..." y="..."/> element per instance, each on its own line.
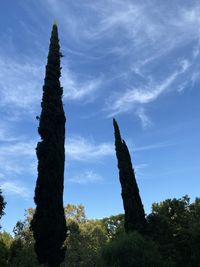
<point x="48" y="224"/>
<point x="134" y="211"/>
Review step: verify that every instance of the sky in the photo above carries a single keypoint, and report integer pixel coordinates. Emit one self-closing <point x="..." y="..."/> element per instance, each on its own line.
<point x="137" y="61"/>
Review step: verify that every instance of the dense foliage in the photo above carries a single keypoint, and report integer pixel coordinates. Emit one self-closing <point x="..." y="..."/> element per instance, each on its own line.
<point x="172" y="239"/>
<point x="134" y="211"/>
<point x="48" y="224"/>
<point x="131" y="250"/>
<point x="175" y="225"/>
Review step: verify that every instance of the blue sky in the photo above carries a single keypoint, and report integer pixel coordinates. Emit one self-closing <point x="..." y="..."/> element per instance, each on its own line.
<point x="137" y="61"/>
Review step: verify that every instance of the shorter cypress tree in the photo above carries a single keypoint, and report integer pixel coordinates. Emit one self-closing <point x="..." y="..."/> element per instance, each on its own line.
<point x="134" y="210"/>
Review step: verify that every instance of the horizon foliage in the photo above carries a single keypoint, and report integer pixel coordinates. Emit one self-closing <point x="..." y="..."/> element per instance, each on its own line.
<point x="172" y="237"/>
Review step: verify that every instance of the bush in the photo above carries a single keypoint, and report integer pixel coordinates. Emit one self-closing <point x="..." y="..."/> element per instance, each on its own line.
<point x="131" y="250"/>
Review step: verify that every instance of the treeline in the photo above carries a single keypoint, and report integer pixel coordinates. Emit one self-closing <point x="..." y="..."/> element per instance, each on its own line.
<point x="172" y="239"/>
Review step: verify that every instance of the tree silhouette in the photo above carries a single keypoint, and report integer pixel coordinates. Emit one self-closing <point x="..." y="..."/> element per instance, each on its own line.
<point x="134" y="211"/>
<point x="48" y="224"/>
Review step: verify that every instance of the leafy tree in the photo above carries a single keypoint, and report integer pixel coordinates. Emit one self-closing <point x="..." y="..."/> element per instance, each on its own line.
<point x="6" y="238"/>
<point x="48" y="224"/>
<point x="3" y="254"/>
<point x="83" y="243"/>
<point x="134" y="211"/>
<point x="131" y="250"/>
<point x="174" y="224"/>
<point x="75" y="213"/>
<point x="5" y="243"/>
<point x="21" y="253"/>
<point x="114" y="225"/>
<point x="85" y="238"/>
<point x="15" y="249"/>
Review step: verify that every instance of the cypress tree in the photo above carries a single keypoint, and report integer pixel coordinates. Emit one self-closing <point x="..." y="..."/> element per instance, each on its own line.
<point x="48" y="224"/>
<point x="133" y="207"/>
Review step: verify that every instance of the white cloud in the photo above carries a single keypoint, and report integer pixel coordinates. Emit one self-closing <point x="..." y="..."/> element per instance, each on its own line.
<point x="17" y="158"/>
<point x="76" y="90"/>
<point x="86" y="177"/>
<point x="147" y="40"/>
<point x="78" y="148"/>
<point x="152" y="146"/>
<point x="135" y="97"/>
<point x="14" y="188"/>
<point x="22" y="148"/>
<point x="20" y="84"/>
<point x="145" y="120"/>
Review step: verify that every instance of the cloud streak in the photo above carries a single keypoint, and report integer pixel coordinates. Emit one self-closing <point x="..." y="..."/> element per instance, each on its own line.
<point x="77" y="90"/>
<point x="81" y="149"/>
<point x="87" y="177"/>
<point x="20" y="84"/>
<point x="15" y="188"/>
<point x="135" y="97"/>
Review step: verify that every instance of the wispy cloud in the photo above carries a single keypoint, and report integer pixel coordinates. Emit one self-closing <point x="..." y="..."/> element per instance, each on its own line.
<point x="153" y="146"/>
<point x="145" y="120"/>
<point x="17" y="158"/>
<point x="81" y="149"/>
<point x="136" y="97"/>
<point x="86" y="177"/>
<point x="74" y="89"/>
<point x="20" y="84"/>
<point x="15" y="188"/>
<point x="148" y="43"/>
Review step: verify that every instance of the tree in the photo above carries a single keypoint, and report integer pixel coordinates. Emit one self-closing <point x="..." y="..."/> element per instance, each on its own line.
<point x="2" y="205"/>
<point x="131" y="250"/>
<point x="48" y="224"/>
<point x="84" y="242"/>
<point x="5" y="243"/>
<point x="75" y="213"/>
<point x="134" y="211"/>
<point x="114" y="225"/>
<point x="174" y="225"/>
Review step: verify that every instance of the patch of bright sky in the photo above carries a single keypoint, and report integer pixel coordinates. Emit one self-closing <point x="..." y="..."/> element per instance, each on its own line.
<point x="137" y="61"/>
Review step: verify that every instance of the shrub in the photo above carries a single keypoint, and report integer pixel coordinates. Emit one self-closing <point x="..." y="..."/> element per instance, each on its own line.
<point x="132" y="250"/>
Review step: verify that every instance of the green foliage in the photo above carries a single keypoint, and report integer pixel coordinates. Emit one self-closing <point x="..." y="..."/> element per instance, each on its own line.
<point x="134" y="211"/>
<point x="131" y="250"/>
<point x="22" y="254"/>
<point x="114" y="225"/>
<point x="3" y="254"/>
<point x="75" y="213"/>
<point x="174" y="224"/>
<point x="6" y="238"/>
<point x="84" y="242"/>
<point x="5" y="243"/>
<point x="172" y="239"/>
<point x="48" y="223"/>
